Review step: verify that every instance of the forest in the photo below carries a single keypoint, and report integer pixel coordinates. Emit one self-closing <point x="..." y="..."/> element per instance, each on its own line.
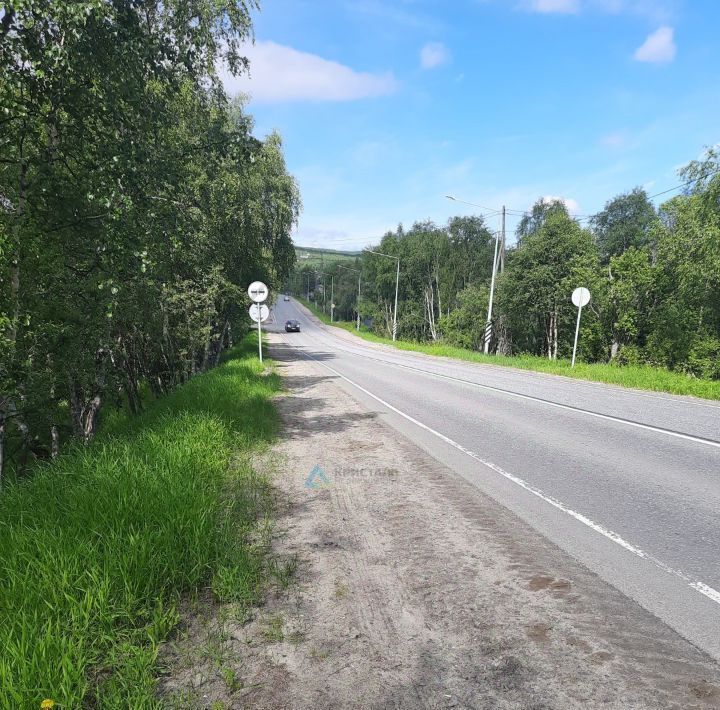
<point x="135" y="207"/>
<point x="654" y="276"/>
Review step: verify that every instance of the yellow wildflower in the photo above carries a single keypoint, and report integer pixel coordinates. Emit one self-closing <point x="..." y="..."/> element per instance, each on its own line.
<point x="47" y="704"/>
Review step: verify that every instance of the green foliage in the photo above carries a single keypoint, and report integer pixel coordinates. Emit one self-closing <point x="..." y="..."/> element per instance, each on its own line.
<point x="704" y="358"/>
<point x="135" y="207"/>
<point x="534" y="292"/>
<point x="630" y="296"/>
<point x="626" y="222"/>
<point x="97" y="547"/>
<point x="533" y="220"/>
<point x="465" y="326"/>
<point x="654" y="277"/>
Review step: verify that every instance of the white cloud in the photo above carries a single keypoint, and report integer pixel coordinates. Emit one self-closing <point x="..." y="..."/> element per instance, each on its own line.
<point x="372" y="153"/>
<point x="659" y="10"/>
<point x="388" y="12"/>
<point x="433" y="55"/>
<point x="279" y="73"/>
<point x="572" y="205"/>
<point x="618" y="139"/>
<point x="658" y="48"/>
<point x="458" y="172"/>
<point x="565" y="7"/>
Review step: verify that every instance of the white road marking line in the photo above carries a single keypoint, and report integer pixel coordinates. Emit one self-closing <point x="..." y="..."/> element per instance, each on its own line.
<point x="549" y="403"/>
<point x="586" y="412"/>
<point x="687" y="400"/>
<point x="698" y="586"/>
<point x="707" y="591"/>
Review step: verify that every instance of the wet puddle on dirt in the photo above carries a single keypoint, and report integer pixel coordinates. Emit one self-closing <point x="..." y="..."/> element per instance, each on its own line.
<point x="704" y="690"/>
<point x="540" y="582"/>
<point x="539" y="632"/>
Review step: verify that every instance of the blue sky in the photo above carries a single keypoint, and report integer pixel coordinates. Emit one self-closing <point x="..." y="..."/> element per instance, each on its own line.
<point x="385" y="106"/>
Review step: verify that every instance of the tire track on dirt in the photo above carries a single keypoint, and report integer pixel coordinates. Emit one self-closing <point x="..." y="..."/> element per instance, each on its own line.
<point x="414" y="590"/>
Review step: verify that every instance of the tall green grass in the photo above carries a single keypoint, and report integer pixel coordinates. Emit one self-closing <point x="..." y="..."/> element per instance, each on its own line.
<point x="642" y="377"/>
<point x="97" y="548"/>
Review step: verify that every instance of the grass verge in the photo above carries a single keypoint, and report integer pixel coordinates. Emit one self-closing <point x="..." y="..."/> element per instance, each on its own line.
<point x="641" y="377"/>
<point x="98" y="547"/>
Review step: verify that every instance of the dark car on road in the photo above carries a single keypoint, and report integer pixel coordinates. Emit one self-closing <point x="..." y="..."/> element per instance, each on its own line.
<point x="292" y="326"/>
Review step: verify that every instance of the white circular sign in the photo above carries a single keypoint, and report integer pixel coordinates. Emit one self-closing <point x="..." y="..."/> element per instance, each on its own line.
<point x="259" y="313"/>
<point x="258" y="291"/>
<point x="581" y="297"/>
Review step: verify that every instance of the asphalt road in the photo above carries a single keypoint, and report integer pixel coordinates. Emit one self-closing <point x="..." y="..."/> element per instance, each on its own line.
<point x="627" y="482"/>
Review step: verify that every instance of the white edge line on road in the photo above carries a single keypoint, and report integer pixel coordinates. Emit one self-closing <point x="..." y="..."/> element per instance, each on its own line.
<point x="689" y="400"/>
<point x="698" y="586"/>
<point x="549" y="403"/>
<point x="579" y="410"/>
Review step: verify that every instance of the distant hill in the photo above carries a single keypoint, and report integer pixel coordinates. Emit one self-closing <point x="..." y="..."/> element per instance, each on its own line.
<point x="313" y="256"/>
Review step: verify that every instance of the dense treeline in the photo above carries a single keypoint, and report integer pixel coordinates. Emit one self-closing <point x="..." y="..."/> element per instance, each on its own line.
<point x="654" y="275"/>
<point x="135" y="206"/>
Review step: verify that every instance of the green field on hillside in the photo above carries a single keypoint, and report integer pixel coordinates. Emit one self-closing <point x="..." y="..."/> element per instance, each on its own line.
<point x="317" y="258"/>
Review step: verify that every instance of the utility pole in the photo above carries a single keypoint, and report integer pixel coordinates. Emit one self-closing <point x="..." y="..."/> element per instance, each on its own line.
<point x="332" y="292"/>
<point x="498" y="260"/>
<point x="502" y="242"/>
<point x="488" y="324"/>
<point x="397" y="286"/>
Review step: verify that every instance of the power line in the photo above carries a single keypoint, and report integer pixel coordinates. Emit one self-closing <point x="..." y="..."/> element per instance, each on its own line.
<point x="582" y="218"/>
<point x="685" y="184"/>
<point x="577" y="217"/>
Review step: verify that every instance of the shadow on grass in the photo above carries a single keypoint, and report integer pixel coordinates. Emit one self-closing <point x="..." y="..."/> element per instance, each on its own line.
<point x="236" y="393"/>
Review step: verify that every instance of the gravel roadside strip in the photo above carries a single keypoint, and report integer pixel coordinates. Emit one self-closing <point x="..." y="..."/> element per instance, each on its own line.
<point x="415" y="590"/>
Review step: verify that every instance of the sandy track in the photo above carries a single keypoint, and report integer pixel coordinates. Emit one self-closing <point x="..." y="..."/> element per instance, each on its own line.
<point x="414" y="590"/>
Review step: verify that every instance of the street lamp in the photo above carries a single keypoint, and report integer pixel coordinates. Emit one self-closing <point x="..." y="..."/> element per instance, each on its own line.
<point x="488" y="323"/>
<point x="359" y="273"/>
<point x="397" y="285"/>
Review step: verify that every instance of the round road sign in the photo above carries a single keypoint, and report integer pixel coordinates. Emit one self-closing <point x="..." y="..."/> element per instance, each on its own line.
<point x="581" y="297"/>
<point x="259" y="313"/>
<point x="258" y="291"/>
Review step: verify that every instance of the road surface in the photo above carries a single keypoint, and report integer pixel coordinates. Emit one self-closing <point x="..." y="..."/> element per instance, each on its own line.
<point x="627" y="482"/>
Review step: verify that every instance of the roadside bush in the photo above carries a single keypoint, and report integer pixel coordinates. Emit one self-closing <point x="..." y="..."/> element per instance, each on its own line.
<point x="704" y="359"/>
<point x="629" y="355"/>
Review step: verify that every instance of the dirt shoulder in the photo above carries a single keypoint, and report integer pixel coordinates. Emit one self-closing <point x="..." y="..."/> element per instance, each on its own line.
<point x="414" y="590"/>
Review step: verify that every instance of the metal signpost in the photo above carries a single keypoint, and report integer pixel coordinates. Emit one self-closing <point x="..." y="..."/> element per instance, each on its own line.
<point x="580" y="298"/>
<point x="258" y="293"/>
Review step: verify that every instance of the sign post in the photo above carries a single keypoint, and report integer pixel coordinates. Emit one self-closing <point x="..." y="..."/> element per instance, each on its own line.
<point x="580" y="298"/>
<point x="258" y="293"/>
